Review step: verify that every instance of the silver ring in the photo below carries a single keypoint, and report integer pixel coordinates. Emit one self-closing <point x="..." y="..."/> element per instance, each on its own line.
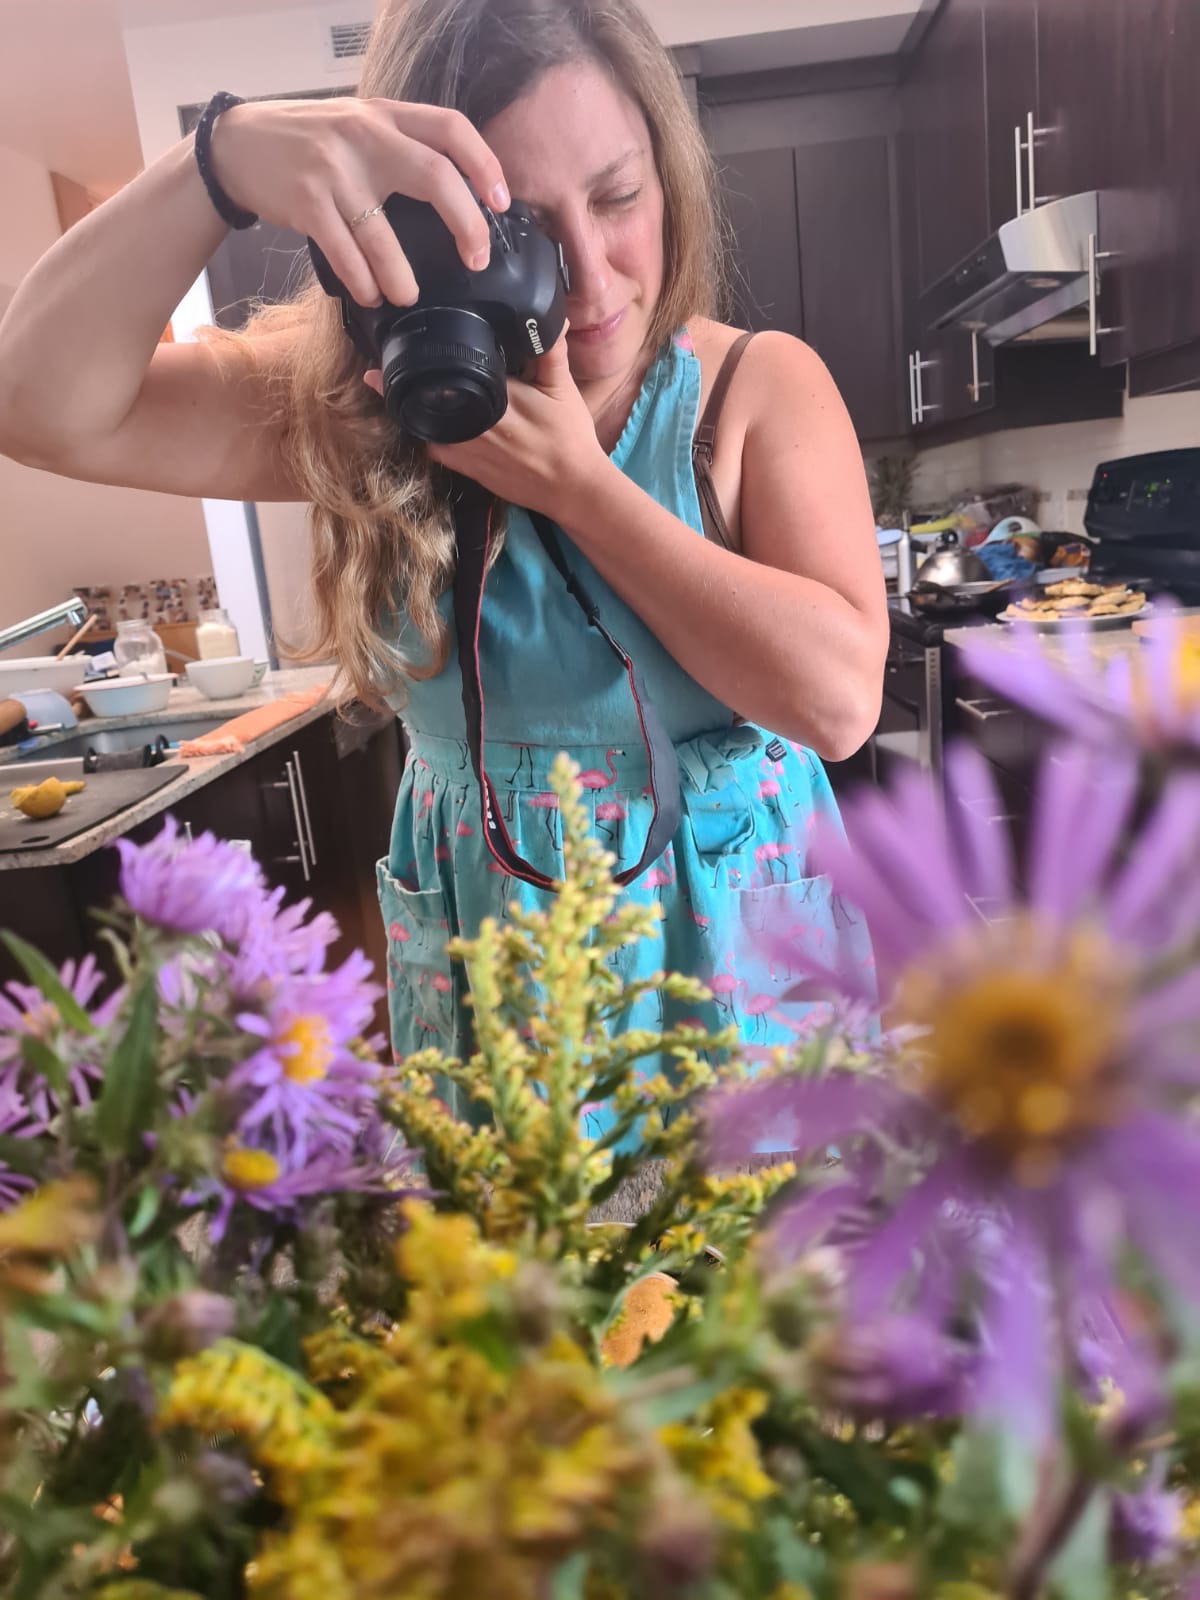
<point x="373" y="211"/>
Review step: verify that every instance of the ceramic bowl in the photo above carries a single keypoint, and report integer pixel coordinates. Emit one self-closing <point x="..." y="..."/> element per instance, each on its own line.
<point x="127" y="697"/>
<point x="224" y="677"/>
<point x="38" y="672"/>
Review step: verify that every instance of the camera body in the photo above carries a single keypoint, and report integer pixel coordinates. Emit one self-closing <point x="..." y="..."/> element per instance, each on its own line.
<point x="446" y="360"/>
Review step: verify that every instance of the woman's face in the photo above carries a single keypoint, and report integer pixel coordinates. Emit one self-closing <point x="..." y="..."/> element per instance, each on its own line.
<point x="577" y="150"/>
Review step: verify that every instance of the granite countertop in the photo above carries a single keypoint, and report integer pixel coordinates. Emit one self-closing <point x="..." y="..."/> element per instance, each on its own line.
<point x="1103" y="645"/>
<point x="186" y="702"/>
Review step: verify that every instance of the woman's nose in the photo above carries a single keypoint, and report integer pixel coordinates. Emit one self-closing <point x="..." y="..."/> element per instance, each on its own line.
<point x="587" y="267"/>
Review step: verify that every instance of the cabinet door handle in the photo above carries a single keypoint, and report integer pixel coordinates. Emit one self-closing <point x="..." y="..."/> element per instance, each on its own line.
<point x="1020" y="170"/>
<point x="972" y="708"/>
<point x="299" y="821"/>
<point x="976" y="386"/>
<point x="312" y="844"/>
<point x="912" y="389"/>
<point x="1095" y="331"/>
<point x="1032" y="135"/>
<point x="922" y="404"/>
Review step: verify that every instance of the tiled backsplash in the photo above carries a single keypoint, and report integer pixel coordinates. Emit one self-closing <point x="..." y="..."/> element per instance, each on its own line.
<point x="1059" y="461"/>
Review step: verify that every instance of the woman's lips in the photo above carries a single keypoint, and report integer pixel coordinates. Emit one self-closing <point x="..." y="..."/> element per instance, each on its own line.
<point x="597" y="332"/>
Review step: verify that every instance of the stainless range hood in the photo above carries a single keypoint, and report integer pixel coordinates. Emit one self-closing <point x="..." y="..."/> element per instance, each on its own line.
<point x="1027" y="279"/>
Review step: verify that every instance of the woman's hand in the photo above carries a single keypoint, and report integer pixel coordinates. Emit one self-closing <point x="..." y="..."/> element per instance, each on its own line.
<point x="543" y="454"/>
<point x="314" y="165"/>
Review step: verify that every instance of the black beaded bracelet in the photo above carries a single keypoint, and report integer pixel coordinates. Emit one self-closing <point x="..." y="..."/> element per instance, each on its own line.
<point x="234" y="215"/>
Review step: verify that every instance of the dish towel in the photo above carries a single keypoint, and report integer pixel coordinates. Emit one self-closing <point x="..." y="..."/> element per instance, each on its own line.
<point x="232" y="737"/>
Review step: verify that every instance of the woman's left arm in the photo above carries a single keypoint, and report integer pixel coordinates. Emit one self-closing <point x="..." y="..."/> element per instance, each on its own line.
<point x="792" y="633"/>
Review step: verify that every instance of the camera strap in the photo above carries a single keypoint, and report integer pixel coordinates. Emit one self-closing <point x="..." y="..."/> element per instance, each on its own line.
<point x="473" y="510"/>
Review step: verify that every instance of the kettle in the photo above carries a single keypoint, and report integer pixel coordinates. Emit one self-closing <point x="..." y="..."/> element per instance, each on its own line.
<point x="950" y="565"/>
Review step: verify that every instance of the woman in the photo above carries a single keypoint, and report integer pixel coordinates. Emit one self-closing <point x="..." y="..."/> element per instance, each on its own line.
<point x="762" y="645"/>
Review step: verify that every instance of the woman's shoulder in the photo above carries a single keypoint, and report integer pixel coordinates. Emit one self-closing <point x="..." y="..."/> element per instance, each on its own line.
<point x="770" y="360"/>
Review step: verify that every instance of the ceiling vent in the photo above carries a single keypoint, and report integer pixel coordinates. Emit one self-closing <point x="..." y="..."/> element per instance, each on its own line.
<point x="347" y="41"/>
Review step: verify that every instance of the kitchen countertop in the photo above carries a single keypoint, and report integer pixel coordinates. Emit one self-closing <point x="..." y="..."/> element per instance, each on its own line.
<point x="185" y="702"/>
<point x="1103" y="646"/>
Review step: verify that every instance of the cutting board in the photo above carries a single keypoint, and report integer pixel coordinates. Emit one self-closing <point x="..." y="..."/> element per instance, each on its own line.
<point x="107" y="793"/>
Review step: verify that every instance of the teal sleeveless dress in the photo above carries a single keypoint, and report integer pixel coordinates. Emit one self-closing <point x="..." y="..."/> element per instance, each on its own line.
<point x="739" y="861"/>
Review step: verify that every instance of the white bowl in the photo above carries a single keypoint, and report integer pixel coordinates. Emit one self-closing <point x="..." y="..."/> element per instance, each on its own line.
<point x="128" y="697"/>
<point x="223" y="677"/>
<point x="38" y="672"/>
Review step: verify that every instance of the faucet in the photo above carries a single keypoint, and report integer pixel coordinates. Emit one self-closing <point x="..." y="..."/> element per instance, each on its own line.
<point x="72" y="610"/>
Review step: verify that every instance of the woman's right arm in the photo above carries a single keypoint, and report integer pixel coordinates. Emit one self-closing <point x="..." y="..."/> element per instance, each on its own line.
<point x="86" y="389"/>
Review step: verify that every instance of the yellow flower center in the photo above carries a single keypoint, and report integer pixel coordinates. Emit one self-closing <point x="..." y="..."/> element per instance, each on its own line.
<point x="249" y="1169"/>
<point x="1184" y="691"/>
<point x="307" y="1049"/>
<point x="1185" y="673"/>
<point x="1018" y="1039"/>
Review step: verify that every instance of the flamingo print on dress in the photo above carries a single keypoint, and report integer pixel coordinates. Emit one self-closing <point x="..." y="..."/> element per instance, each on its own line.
<point x="725" y="985"/>
<point x="610" y="811"/>
<point x="770" y="851"/>
<point x="593" y="778"/>
<point x="547" y="802"/>
<point x="660" y="877"/>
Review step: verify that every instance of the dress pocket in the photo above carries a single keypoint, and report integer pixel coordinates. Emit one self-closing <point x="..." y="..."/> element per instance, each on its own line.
<point x="424" y="989"/>
<point x="811" y="943"/>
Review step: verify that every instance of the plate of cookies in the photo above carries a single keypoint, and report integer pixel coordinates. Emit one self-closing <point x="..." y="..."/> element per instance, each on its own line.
<point x="1078" y="603"/>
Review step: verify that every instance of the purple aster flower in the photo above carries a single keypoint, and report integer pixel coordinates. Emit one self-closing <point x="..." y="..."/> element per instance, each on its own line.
<point x="18" y="1122"/>
<point x="285" y="939"/>
<point x="270" y="1181"/>
<point x="1028" y="1123"/>
<point x="1145" y="1525"/>
<point x="1150" y="696"/>
<point x="25" y="1013"/>
<point x="308" y="1078"/>
<point x="897" y="1367"/>
<point x="191" y="886"/>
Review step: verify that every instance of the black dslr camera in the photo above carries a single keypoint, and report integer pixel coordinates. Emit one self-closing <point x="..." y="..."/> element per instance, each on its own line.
<point x="446" y="359"/>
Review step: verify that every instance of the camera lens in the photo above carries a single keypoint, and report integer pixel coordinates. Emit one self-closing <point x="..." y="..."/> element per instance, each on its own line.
<point x="443" y="375"/>
<point x="443" y="402"/>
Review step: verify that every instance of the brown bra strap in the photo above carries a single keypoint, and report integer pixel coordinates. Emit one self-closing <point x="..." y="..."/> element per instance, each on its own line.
<point x="713" y="518"/>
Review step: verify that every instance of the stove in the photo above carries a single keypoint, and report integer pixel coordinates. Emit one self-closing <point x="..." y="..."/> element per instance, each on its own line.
<point x="1143" y="524"/>
<point x="1143" y="519"/>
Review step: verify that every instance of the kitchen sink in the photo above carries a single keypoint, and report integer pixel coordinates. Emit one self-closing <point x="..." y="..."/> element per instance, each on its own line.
<point x="113" y="741"/>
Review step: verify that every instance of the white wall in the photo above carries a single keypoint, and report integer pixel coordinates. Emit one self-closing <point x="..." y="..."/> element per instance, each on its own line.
<point x="55" y="533"/>
<point x="1060" y="460"/>
<point x="181" y="64"/>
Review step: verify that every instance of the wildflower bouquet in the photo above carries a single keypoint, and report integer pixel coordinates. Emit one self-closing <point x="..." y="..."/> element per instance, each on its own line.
<point x="273" y="1322"/>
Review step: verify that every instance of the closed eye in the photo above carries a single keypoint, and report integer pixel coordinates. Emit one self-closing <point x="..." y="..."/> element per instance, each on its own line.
<point x="619" y="202"/>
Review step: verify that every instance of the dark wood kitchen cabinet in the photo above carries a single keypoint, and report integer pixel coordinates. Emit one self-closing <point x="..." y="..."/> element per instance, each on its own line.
<point x="759" y="194"/>
<point x="945" y="113"/>
<point x="1011" y="97"/>
<point x="813" y="256"/>
<point x="314" y="810"/>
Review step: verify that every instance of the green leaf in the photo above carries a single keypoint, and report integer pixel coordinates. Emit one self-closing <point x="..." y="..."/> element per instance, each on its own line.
<point x="567" y="1582"/>
<point x="857" y="1470"/>
<point x="995" y="1480"/>
<point x="24" y="1156"/>
<point x="125" y="1108"/>
<point x="1080" y="1570"/>
<point x="43" y="976"/>
<point x="45" y="1062"/>
<point x="798" y="1562"/>
<point x="488" y="1336"/>
<point x="148" y="1203"/>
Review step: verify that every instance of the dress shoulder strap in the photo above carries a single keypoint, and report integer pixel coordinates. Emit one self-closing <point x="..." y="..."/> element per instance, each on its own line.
<point x="713" y="518"/>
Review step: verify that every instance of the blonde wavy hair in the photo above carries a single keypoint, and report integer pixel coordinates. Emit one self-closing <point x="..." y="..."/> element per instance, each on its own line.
<point x="383" y="543"/>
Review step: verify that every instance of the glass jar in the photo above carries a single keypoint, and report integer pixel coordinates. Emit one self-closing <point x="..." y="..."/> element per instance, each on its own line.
<point x="138" y="649"/>
<point x="216" y="635"/>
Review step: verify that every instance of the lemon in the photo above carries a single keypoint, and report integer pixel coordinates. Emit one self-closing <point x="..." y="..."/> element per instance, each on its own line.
<point x="45" y="799"/>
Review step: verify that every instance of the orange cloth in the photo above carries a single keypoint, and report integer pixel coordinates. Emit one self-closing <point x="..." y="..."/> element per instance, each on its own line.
<point x="235" y="735"/>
